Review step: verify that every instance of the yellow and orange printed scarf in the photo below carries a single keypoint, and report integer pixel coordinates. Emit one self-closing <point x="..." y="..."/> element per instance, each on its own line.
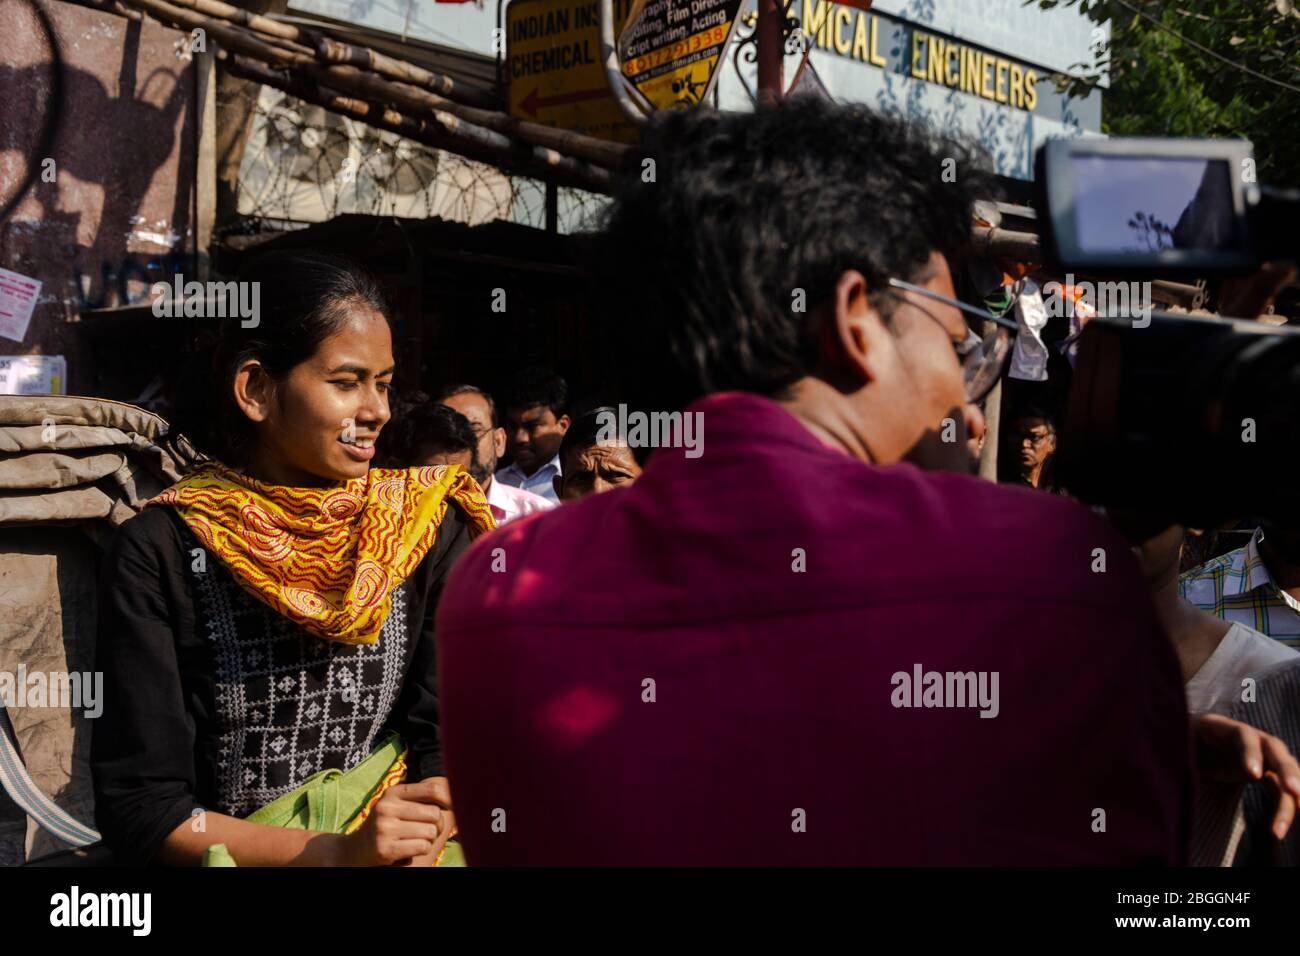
<point x="325" y="558"/>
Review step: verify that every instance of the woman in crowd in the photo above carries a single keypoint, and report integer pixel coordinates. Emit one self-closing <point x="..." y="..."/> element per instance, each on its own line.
<point x="270" y="616"/>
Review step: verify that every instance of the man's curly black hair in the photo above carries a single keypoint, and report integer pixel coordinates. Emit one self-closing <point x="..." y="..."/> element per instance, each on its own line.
<point x="722" y="216"/>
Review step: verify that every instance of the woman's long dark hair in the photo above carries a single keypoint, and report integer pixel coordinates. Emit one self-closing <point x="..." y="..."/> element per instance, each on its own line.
<point x="303" y="300"/>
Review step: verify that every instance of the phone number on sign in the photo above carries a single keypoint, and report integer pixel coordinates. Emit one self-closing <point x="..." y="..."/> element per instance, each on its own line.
<point x="699" y="41"/>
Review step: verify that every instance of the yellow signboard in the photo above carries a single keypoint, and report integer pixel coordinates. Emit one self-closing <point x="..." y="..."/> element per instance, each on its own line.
<point x="671" y="48"/>
<point x="553" y="66"/>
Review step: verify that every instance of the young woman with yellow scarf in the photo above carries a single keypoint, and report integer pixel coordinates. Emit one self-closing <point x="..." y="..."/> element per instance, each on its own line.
<point x="270" y="616"/>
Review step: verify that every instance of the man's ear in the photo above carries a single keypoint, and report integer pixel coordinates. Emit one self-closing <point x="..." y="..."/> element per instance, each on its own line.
<point x="499" y="441"/>
<point x="563" y="421"/>
<point x="852" y="335"/>
<point x="254" y="390"/>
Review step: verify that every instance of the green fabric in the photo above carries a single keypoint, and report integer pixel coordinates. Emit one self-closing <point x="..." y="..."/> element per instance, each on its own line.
<point x="999" y="301"/>
<point x="452" y="855"/>
<point x="327" y="802"/>
<point x="218" y="855"/>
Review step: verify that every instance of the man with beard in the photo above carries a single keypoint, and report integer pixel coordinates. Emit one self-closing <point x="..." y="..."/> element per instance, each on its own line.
<point x="476" y="405"/>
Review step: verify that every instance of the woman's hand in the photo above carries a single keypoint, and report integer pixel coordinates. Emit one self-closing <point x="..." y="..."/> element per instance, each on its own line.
<point x="408" y="822"/>
<point x="447" y="827"/>
<point x="431" y="858"/>
<point x="1229" y="751"/>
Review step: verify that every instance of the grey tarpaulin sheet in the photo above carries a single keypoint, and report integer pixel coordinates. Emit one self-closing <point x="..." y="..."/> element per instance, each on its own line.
<point x="71" y="470"/>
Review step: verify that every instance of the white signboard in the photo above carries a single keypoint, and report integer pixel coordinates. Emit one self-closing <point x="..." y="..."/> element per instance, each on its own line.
<point x="33" y="375"/>
<point x="944" y="66"/>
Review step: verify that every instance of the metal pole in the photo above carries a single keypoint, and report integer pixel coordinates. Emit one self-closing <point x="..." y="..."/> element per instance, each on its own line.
<point x="993" y="421"/>
<point x="771" y="50"/>
<point x="634" y="107"/>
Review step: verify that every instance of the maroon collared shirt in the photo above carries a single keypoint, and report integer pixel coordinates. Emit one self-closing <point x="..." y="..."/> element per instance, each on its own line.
<point x="705" y="668"/>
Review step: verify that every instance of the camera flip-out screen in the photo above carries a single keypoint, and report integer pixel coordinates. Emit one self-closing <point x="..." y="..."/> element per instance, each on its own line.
<point x="1141" y="205"/>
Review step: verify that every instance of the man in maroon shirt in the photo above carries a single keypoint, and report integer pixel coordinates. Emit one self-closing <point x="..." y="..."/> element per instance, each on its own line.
<point x="810" y="638"/>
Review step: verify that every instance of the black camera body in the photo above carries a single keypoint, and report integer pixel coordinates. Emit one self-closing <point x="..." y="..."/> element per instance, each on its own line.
<point x="1179" y="418"/>
<point x="1187" y="420"/>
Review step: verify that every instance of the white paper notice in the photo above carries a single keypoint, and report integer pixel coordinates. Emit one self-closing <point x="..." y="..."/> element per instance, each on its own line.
<point x="33" y="374"/>
<point x="17" y="299"/>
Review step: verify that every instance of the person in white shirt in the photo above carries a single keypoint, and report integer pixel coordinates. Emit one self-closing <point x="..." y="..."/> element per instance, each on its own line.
<point x="536" y="420"/>
<point x="508" y="503"/>
<point x="1216" y="656"/>
<point x="1222" y="664"/>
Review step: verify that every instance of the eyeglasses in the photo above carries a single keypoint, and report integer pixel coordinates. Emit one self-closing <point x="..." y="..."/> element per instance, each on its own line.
<point x="1032" y="438"/>
<point x="982" y="354"/>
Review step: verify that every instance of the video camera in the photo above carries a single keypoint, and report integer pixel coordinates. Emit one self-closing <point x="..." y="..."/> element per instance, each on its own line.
<point x="1183" y="419"/>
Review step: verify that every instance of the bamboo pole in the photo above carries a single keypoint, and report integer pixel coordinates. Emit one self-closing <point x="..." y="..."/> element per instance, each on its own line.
<point x="412" y="98"/>
<point x="334" y="50"/>
<point x="351" y="79"/>
<point x="235" y="38"/>
<point x="988" y="464"/>
<point x="341" y="51"/>
<point x="1002" y="243"/>
<point x="489" y="148"/>
<point x="609" y="155"/>
<point x="253" y="21"/>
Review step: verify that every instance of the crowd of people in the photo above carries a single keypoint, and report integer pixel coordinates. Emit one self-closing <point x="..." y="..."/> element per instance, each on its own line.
<point x="818" y="639"/>
<point x="553" y="458"/>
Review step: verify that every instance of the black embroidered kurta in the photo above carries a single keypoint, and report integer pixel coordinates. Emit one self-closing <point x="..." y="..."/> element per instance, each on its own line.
<point x="215" y="701"/>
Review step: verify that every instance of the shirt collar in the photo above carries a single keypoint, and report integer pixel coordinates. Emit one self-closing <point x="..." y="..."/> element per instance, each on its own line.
<point x="1256" y="574"/>
<point x="553" y="463"/>
<point x="734" y="418"/>
<point x="499" y="501"/>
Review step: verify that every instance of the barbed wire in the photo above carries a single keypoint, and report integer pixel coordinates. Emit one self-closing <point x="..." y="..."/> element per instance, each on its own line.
<point x="305" y="164"/>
